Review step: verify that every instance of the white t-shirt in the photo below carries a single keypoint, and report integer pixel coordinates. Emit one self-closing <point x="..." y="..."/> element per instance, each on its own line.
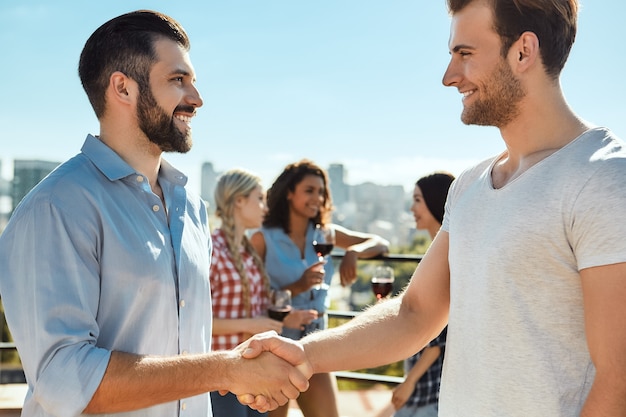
<point x="516" y="337"/>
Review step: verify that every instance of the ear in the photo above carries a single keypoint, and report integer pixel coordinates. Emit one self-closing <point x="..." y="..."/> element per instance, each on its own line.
<point x="122" y="88"/>
<point x="239" y="201"/>
<point x="524" y="52"/>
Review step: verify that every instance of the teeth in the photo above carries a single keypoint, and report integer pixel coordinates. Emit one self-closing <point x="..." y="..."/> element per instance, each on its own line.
<point x="467" y="93"/>
<point x="185" y="119"/>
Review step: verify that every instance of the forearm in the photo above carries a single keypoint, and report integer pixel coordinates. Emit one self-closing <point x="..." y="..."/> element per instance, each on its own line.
<point x="426" y="360"/>
<point x="334" y="349"/>
<point x="370" y="248"/>
<point x="297" y="287"/>
<point x="132" y="381"/>
<point x="607" y="397"/>
<point x="231" y="326"/>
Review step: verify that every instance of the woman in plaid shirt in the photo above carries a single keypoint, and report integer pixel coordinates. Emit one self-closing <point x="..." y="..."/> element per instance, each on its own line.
<point x="239" y="284"/>
<point x="418" y="395"/>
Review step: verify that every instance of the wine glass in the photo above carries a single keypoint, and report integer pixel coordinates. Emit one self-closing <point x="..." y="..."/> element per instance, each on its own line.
<point x="323" y="243"/>
<point x="323" y="240"/>
<point x="280" y="304"/>
<point x="382" y="281"/>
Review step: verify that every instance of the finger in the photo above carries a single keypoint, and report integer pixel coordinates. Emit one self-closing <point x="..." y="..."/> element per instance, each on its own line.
<point x="280" y="398"/>
<point x="299" y="376"/>
<point x="290" y="392"/>
<point x="256" y="345"/>
<point x="245" y="399"/>
<point x="259" y="402"/>
<point x="262" y="404"/>
<point x="344" y="280"/>
<point x="273" y="404"/>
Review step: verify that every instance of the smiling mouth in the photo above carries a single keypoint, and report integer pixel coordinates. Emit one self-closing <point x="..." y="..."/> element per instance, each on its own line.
<point x="467" y="93"/>
<point x="183" y="118"/>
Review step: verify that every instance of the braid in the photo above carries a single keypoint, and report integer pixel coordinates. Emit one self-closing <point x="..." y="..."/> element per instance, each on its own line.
<point x="231" y="186"/>
<point x="259" y="264"/>
<point x="228" y="227"/>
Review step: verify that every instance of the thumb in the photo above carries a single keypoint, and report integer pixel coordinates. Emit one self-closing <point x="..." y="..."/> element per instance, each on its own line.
<point x="254" y="349"/>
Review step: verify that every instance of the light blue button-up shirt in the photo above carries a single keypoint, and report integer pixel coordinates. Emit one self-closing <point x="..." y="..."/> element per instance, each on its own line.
<point x="92" y="262"/>
<point x="285" y="265"/>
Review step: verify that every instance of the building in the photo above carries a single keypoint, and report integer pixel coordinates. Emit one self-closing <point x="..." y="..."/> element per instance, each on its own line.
<point x="5" y="200"/>
<point x="339" y="190"/>
<point x="208" y="181"/>
<point x="26" y="174"/>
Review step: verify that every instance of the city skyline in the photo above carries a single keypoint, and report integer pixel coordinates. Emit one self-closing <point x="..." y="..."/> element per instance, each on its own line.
<point x="353" y="82"/>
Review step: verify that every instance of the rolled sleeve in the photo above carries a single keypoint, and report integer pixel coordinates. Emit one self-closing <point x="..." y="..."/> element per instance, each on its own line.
<point x="52" y="312"/>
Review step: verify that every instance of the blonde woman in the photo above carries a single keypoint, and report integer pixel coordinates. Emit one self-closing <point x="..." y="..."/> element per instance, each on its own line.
<point x="239" y="284"/>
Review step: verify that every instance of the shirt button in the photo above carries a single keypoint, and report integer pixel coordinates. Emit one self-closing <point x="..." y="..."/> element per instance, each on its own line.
<point x="182" y="303"/>
<point x="155" y="208"/>
<point x="183" y="406"/>
<point x="139" y="178"/>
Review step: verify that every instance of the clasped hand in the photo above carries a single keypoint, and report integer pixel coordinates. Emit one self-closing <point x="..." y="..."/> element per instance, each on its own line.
<point x="277" y="371"/>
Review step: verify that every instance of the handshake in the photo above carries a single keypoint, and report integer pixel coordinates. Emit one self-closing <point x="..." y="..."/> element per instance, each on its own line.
<point x="268" y="371"/>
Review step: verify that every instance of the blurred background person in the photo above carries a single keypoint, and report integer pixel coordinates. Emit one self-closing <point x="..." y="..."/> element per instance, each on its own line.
<point x="239" y="284"/>
<point x="418" y="395"/>
<point x="298" y="201"/>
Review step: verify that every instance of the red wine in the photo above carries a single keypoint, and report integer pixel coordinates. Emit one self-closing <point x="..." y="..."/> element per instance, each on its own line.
<point x="278" y="313"/>
<point x="322" y="249"/>
<point x="382" y="287"/>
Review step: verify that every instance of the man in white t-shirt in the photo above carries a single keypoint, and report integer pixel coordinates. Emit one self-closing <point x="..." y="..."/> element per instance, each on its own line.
<point x="529" y="268"/>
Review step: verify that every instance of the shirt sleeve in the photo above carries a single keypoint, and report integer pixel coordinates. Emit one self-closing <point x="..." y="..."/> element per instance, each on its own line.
<point x="596" y="226"/>
<point x="52" y="312"/>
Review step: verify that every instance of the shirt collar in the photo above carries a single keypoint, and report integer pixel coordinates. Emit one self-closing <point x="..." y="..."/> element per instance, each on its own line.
<point x="115" y="168"/>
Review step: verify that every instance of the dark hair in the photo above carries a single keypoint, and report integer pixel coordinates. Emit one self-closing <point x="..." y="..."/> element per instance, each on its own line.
<point x="553" y="21"/>
<point x="126" y="44"/>
<point x="277" y="204"/>
<point x="434" y="188"/>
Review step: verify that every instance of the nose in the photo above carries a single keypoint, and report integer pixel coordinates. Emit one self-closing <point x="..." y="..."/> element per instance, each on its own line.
<point x="451" y="76"/>
<point x="193" y="97"/>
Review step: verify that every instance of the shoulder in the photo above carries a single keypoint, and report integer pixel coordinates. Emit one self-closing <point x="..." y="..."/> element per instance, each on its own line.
<point x="597" y="159"/>
<point x="66" y="190"/>
<point x="257" y="240"/>
<point x="219" y="241"/>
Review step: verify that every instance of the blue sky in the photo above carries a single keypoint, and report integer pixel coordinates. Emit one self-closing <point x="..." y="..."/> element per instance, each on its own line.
<point x="350" y="81"/>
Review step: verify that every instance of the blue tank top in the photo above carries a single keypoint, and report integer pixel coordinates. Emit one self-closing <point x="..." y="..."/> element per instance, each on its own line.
<point x="285" y="266"/>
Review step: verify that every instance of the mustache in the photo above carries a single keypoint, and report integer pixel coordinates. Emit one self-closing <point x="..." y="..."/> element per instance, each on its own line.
<point x="184" y="108"/>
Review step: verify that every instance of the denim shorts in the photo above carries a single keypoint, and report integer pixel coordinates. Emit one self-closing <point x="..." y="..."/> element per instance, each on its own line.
<point x="430" y="410"/>
<point x="229" y="406"/>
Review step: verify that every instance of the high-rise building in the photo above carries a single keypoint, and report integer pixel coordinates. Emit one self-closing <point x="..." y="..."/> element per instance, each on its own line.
<point x="26" y="174"/>
<point x="5" y="186"/>
<point x="339" y="189"/>
<point x="208" y="182"/>
<point x="5" y="200"/>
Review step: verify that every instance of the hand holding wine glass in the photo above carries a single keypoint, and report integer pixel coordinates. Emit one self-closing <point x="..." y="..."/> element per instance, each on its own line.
<point x="280" y="304"/>
<point x="382" y="281"/>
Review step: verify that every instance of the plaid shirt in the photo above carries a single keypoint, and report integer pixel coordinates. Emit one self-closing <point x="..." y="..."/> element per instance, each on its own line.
<point x="226" y="290"/>
<point x="427" y="387"/>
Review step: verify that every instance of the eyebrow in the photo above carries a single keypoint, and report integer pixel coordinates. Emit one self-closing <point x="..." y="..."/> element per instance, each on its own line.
<point x="183" y="72"/>
<point x="180" y="71"/>
<point x="459" y="47"/>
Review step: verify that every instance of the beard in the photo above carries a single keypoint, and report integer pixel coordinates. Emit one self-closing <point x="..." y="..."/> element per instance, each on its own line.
<point x="499" y="105"/>
<point x="160" y="127"/>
